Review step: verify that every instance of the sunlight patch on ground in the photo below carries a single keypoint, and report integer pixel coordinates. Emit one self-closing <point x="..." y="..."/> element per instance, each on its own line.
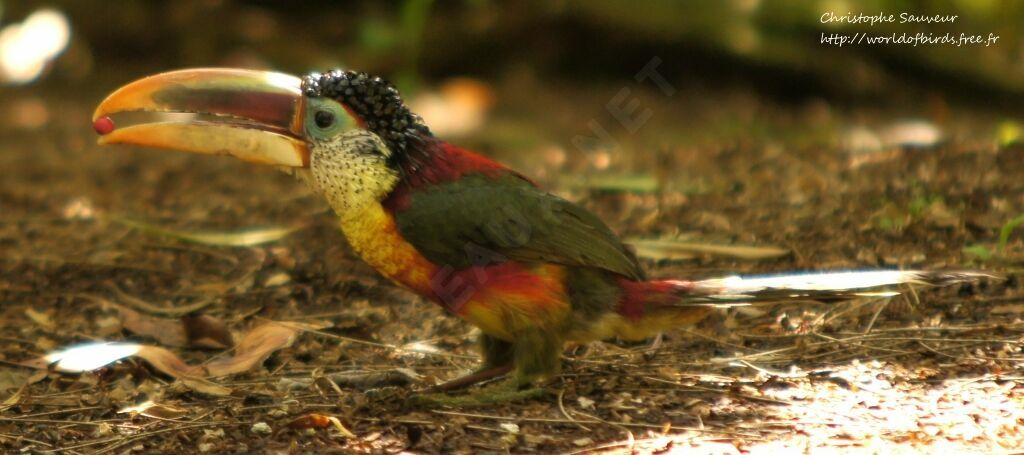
<point x="870" y="407"/>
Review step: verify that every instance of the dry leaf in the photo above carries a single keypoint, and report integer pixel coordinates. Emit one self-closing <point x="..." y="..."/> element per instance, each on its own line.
<point x="39" y="317"/>
<point x="170" y="364"/>
<point x="254" y="348"/>
<point x="257" y="345"/>
<point x="96" y="355"/>
<point x="199" y="330"/>
<point x="15" y="398"/>
<point x="242" y="237"/>
<point x="664" y="249"/>
<point x="207" y="331"/>
<point x="660" y="254"/>
<point x="151" y="409"/>
<point x="169" y="332"/>
<point x="167" y="362"/>
<point x="320" y="421"/>
<point x="277" y="279"/>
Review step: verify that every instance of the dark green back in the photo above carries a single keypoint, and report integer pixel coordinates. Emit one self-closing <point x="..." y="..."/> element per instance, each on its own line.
<point x="479" y="220"/>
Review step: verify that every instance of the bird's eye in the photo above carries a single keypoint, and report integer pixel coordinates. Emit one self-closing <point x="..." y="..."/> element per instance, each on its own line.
<point x="324" y="119"/>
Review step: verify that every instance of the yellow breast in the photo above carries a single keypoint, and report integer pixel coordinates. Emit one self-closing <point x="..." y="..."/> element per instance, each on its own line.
<point x="373" y="235"/>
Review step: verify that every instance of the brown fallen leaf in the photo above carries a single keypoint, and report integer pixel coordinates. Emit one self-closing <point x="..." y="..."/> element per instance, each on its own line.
<point x="206" y="331"/>
<point x="169" y="363"/>
<point x="256" y="346"/>
<point x="190" y="330"/>
<point x="169" y="332"/>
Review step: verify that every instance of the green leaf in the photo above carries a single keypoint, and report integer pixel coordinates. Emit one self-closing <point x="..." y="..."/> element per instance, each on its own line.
<point x="1004" y="233"/>
<point x="979" y="251"/>
<point x="619" y="183"/>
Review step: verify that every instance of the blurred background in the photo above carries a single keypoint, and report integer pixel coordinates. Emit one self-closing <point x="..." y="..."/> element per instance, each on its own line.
<point x="729" y="120"/>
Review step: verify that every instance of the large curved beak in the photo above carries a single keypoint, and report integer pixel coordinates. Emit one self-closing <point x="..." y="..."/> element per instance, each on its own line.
<point x="256" y="116"/>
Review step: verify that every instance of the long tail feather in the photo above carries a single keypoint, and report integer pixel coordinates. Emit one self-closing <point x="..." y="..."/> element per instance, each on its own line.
<point x="817" y="286"/>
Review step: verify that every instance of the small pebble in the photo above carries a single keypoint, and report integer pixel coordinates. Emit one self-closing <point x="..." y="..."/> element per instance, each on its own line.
<point x="261" y="428"/>
<point x="103" y="125"/>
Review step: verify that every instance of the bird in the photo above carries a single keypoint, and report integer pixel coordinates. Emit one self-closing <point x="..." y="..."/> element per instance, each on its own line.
<point x="530" y="269"/>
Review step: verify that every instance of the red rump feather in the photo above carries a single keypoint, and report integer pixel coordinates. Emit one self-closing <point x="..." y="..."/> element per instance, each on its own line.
<point x="640" y="296"/>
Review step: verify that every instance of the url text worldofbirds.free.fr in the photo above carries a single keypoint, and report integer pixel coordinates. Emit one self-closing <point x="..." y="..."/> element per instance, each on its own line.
<point x="908" y="39"/>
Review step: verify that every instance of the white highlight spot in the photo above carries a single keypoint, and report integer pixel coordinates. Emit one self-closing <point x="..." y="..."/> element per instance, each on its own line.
<point x="91" y="356"/>
<point x="26" y="48"/>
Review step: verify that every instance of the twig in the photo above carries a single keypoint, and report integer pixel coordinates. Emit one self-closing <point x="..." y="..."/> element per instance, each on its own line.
<point x="18" y="437"/>
<point x="561" y="407"/>
<point x="60" y="411"/>
<point x="874" y="317"/>
<point x="65" y="422"/>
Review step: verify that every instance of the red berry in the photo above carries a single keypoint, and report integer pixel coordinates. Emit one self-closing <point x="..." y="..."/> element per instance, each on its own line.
<point x="103" y="125"/>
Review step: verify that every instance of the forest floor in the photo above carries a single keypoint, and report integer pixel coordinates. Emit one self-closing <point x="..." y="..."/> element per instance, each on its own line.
<point x="122" y="244"/>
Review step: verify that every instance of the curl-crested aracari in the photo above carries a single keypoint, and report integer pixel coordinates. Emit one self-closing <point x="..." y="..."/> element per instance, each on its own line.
<point x="528" y="268"/>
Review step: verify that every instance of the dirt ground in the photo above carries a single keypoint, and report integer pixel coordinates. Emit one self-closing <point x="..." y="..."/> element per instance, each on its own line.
<point x="931" y="371"/>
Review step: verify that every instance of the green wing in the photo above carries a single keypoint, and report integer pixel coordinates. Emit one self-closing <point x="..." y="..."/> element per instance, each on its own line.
<point x="479" y="220"/>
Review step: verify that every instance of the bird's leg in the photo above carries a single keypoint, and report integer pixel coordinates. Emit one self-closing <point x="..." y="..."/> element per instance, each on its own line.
<point x="535" y="356"/>
<point x="498" y="361"/>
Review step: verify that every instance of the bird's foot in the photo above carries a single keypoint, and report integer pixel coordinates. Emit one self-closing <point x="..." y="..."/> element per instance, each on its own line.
<point x="506" y="391"/>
